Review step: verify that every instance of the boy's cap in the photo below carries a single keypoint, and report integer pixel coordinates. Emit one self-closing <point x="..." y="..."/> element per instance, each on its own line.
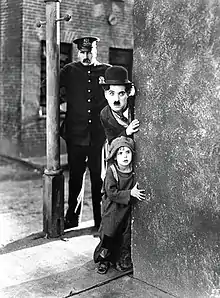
<point x="116" y="75"/>
<point x="120" y="142"/>
<point x="86" y="43"/>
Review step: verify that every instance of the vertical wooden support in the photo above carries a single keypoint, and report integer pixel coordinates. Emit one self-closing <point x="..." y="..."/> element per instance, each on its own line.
<point x="53" y="186"/>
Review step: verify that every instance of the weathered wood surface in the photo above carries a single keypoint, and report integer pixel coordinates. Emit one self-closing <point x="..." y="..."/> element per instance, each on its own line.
<point x="53" y="187"/>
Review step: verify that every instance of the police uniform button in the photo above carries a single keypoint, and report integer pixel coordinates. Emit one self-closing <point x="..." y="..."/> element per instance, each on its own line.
<point x="89" y="100"/>
<point x="90" y="121"/>
<point x="89" y="81"/>
<point x="89" y="71"/>
<point x="89" y="111"/>
<point x="89" y="90"/>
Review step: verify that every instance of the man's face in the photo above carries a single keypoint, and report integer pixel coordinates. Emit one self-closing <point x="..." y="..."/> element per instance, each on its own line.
<point x="87" y="57"/>
<point x="117" y="97"/>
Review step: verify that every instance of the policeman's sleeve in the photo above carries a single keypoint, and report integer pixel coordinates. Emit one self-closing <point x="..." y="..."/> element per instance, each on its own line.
<point x="63" y="77"/>
<point x="63" y="83"/>
<point x="43" y="87"/>
<point x="62" y="95"/>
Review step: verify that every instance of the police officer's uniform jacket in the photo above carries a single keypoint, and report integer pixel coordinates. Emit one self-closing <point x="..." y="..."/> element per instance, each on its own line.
<point x="85" y="99"/>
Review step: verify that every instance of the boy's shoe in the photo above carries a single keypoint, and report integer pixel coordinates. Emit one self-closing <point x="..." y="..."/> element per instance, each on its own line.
<point x="123" y="267"/>
<point x="124" y="263"/>
<point x="103" y="267"/>
<point x="119" y="267"/>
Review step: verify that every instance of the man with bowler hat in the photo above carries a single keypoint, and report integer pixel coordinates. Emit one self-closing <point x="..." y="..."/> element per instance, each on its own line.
<point x="116" y="117"/>
<point x="82" y="129"/>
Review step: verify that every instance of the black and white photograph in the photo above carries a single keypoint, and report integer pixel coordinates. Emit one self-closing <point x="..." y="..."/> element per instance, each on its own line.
<point x="110" y="148"/>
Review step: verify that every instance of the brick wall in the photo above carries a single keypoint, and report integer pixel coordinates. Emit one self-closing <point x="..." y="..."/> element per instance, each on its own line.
<point x="33" y="128"/>
<point x="91" y="18"/>
<point x="10" y="106"/>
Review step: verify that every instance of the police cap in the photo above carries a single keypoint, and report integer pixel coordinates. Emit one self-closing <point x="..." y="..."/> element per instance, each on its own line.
<point x="86" y="43"/>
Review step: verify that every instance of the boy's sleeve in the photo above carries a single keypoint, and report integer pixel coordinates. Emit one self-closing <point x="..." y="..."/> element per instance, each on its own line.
<point x="112" y="191"/>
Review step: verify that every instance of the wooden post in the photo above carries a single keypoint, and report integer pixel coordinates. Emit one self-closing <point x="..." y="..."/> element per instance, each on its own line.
<point x="53" y="186"/>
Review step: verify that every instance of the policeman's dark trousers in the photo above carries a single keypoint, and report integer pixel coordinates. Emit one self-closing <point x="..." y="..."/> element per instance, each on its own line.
<point x="79" y="157"/>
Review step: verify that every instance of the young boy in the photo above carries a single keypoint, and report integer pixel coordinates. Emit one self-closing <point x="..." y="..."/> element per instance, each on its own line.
<point x="119" y="191"/>
<point x="116" y="116"/>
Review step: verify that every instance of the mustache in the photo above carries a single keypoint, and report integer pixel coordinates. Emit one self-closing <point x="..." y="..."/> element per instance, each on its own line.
<point x="117" y="103"/>
<point x="86" y="60"/>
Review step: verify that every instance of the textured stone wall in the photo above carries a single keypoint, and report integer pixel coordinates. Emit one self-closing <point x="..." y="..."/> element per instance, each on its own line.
<point x="177" y="73"/>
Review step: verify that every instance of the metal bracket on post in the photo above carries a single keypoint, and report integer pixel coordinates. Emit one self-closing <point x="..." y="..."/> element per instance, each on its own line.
<point x="40" y="23"/>
<point x="66" y="18"/>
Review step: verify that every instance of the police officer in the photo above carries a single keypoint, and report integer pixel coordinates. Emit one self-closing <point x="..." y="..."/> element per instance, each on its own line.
<point x="84" y="134"/>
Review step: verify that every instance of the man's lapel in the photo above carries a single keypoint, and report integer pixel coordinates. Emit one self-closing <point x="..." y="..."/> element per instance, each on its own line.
<point x="111" y="119"/>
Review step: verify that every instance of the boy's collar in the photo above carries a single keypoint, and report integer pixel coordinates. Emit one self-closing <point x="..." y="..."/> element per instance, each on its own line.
<point x="130" y="169"/>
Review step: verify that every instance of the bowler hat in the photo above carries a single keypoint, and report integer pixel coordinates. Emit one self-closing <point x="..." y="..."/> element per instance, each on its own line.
<point x="120" y="142"/>
<point x="86" y="43"/>
<point x="116" y="75"/>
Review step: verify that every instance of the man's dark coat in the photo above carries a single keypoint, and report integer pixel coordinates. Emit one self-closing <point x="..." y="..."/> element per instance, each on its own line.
<point x="111" y="127"/>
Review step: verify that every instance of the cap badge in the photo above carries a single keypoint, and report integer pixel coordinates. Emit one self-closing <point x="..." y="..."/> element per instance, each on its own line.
<point x="101" y="80"/>
<point x="86" y="42"/>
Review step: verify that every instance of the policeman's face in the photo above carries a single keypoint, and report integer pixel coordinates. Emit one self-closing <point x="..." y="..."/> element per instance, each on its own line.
<point x="117" y="97"/>
<point x="87" y="57"/>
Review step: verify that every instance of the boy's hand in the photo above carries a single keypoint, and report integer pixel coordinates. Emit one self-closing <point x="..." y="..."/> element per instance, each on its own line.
<point x="138" y="193"/>
<point x="132" y="127"/>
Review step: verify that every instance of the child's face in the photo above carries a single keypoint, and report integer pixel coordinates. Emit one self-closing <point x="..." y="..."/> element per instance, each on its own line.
<point x="123" y="157"/>
<point x="117" y="97"/>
